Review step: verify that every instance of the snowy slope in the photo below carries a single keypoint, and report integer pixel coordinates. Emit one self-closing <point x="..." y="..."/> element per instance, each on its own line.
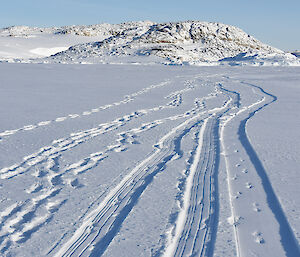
<point x="124" y="160"/>
<point x="22" y="43"/>
<point x="178" y="43"/>
<point x="190" y="42"/>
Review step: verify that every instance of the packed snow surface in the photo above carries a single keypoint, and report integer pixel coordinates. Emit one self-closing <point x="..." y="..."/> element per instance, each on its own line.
<point x="172" y="43"/>
<point x="137" y="160"/>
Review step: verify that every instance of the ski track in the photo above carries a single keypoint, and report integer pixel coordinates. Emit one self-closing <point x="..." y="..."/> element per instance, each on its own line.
<point x="48" y="153"/>
<point x="99" y="229"/>
<point x="193" y="233"/>
<point x="194" y="230"/>
<point x="21" y="221"/>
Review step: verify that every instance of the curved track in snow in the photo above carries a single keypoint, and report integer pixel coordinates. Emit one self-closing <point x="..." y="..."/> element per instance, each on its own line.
<point x="216" y="110"/>
<point x="252" y="198"/>
<point x="94" y="236"/>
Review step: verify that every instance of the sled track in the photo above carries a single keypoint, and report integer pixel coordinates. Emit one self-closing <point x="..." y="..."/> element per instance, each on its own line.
<point x="287" y="239"/>
<point x="194" y="231"/>
<point x="23" y="216"/>
<point x="98" y="230"/>
<point x="198" y="219"/>
<point x="94" y="236"/>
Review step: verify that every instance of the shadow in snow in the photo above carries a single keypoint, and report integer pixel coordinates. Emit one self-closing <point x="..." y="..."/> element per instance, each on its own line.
<point x="214" y="220"/>
<point x="101" y="246"/>
<point x="239" y="57"/>
<point x="288" y="239"/>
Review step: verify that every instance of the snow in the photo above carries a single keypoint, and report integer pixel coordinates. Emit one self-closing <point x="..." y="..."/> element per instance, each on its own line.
<point x="47" y="51"/>
<point x="149" y="160"/>
<point x="129" y="157"/>
<point x="171" y="43"/>
<point x="190" y="42"/>
<point x="20" y="43"/>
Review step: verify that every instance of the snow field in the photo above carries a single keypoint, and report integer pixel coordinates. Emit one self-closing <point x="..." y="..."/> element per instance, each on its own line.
<point x="84" y="180"/>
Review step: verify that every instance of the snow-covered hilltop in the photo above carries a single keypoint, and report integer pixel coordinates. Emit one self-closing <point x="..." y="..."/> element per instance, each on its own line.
<point x="190" y="42"/>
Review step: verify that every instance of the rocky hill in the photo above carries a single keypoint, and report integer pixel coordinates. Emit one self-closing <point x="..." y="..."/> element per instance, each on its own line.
<point x="189" y="42"/>
<point x="296" y="53"/>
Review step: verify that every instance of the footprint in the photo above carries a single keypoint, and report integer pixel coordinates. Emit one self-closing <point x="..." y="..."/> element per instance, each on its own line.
<point x="258" y="237"/>
<point x="44" y="123"/>
<point x="74" y="183"/>
<point x="73" y="116"/>
<point x="234" y="220"/>
<point x="9" y="132"/>
<point x="120" y="149"/>
<point x="256" y="207"/>
<point x="53" y="206"/>
<point x="204" y="224"/>
<point x="29" y="127"/>
<point x="60" y="119"/>
<point x="234" y="177"/>
<point x="237" y="196"/>
<point x="52" y="164"/>
<point x="39" y="173"/>
<point x="34" y="188"/>
<point x="29" y="228"/>
<point x="249" y="185"/>
<point x="9" y="211"/>
<point x="55" y="180"/>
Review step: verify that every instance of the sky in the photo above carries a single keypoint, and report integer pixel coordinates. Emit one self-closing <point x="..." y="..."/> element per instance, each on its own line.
<point x="274" y="22"/>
